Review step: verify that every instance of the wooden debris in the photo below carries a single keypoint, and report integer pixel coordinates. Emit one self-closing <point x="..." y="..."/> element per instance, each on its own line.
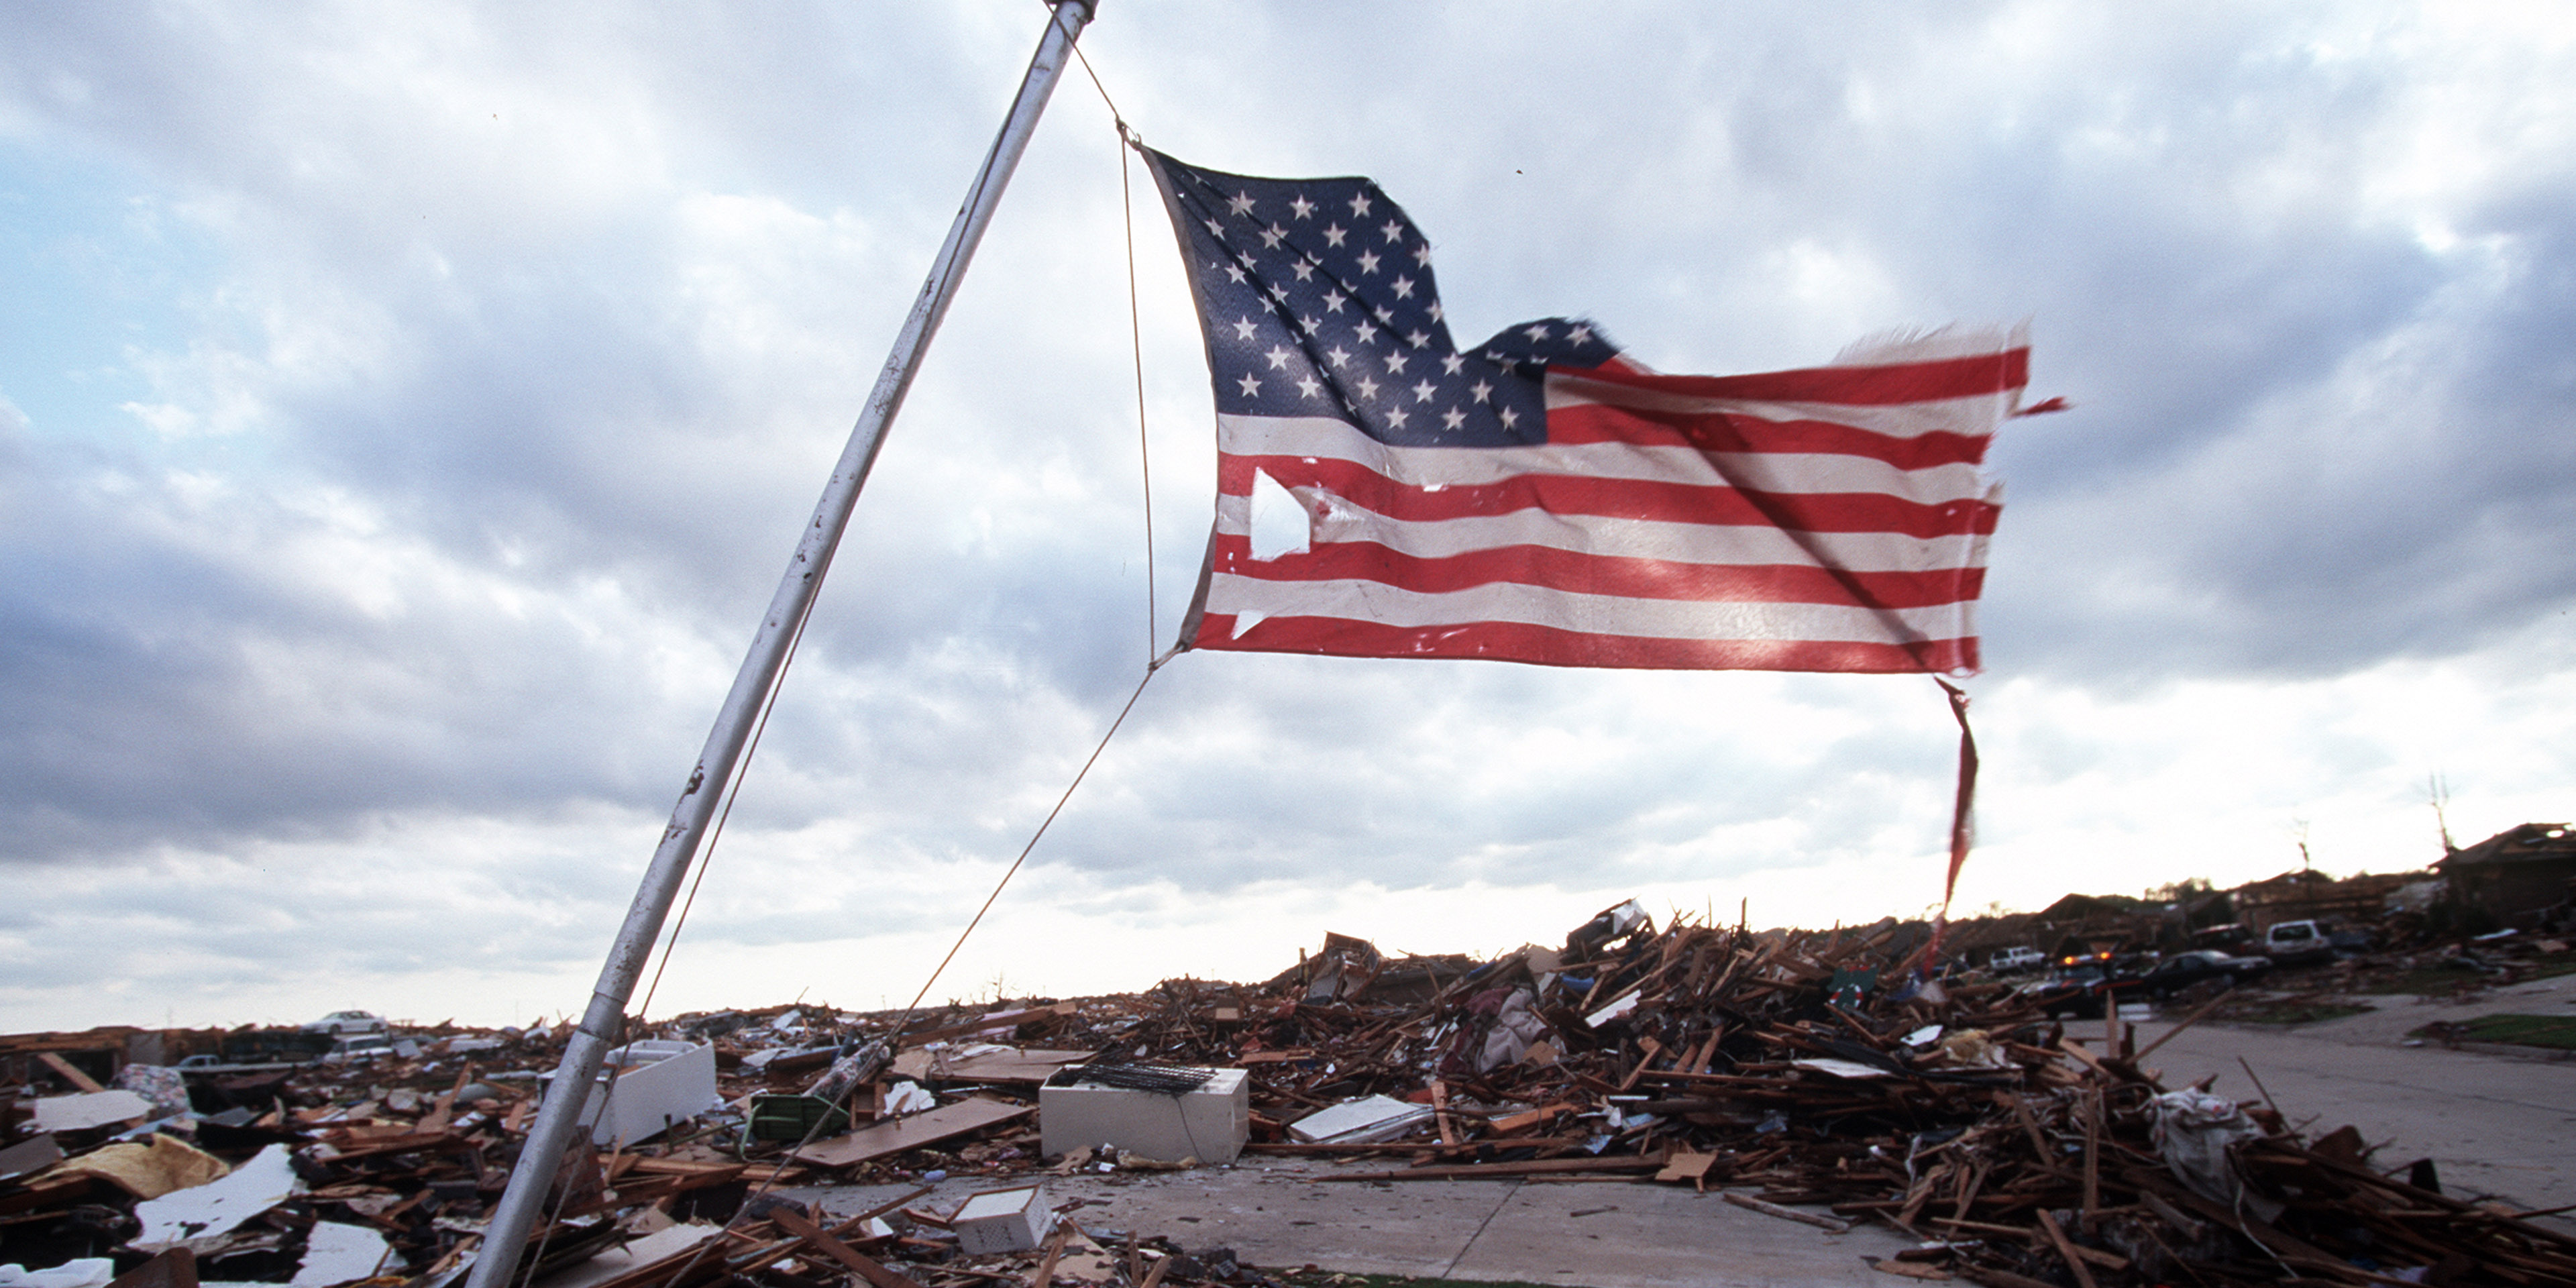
<point x="1793" y="1072"/>
<point x="1787" y="1214"/>
<point x="870" y="1269"/>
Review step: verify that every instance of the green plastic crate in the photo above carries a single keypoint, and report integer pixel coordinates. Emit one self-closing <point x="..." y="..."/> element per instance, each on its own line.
<point x="775" y="1117"/>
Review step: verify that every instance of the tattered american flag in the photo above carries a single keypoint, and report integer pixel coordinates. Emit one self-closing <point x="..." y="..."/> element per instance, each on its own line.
<point x="1539" y="497"/>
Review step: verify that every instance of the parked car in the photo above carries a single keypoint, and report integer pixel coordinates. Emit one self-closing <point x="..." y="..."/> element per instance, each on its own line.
<point x="2292" y="943"/>
<point x="2084" y="993"/>
<point x="344" y="1023"/>
<point x="2183" y="970"/>
<point x="360" y="1049"/>
<point x="2227" y="937"/>
<point x="2008" y="961"/>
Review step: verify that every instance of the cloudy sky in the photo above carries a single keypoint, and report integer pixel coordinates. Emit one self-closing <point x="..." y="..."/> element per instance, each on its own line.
<point x="406" y="410"/>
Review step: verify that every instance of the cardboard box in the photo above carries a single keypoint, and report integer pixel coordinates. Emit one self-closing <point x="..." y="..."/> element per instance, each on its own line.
<point x="1210" y="1124"/>
<point x="1012" y="1220"/>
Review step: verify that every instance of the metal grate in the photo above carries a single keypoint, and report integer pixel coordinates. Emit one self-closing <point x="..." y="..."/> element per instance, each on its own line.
<point x="1167" y="1079"/>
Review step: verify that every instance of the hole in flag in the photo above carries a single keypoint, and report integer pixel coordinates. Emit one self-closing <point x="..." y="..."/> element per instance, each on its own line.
<point x="1280" y="525"/>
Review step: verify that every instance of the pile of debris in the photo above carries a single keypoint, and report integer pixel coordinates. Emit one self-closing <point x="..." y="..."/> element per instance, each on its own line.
<point x="1829" y="1069"/>
<point x="1800" y="1073"/>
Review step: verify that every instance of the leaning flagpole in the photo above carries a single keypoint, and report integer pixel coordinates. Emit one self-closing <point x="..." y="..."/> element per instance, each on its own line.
<point x="559" y="1117"/>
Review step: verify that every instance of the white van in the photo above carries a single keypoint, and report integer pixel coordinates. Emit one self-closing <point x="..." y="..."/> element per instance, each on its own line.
<point x="2009" y="960"/>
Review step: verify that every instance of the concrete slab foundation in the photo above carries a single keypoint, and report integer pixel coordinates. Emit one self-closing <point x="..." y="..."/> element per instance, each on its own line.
<point x="1601" y="1234"/>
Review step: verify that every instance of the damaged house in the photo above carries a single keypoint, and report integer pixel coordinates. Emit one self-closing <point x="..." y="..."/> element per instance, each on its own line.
<point x="2518" y="877"/>
<point x="2304" y="894"/>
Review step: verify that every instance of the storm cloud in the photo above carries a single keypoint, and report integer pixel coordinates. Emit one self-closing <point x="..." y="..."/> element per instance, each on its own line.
<point x="405" y="412"/>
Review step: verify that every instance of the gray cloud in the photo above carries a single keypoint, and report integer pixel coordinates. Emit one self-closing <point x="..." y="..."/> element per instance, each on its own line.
<point x="499" y="355"/>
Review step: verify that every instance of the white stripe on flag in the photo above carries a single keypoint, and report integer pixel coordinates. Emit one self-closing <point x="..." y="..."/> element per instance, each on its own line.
<point x="1370" y="601"/>
<point x="1316" y="438"/>
<point x="1337" y="519"/>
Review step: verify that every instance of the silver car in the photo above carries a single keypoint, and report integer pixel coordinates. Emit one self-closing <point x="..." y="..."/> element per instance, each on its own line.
<point x="345" y="1023"/>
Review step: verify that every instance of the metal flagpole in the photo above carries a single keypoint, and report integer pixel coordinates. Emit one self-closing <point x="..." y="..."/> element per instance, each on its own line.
<point x="507" y="1233"/>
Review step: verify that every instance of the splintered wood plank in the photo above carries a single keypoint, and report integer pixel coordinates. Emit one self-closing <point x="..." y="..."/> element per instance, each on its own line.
<point x="1648" y="1049"/>
<point x="442" y="1111"/>
<point x="1276" y="1057"/>
<point x="1752" y="1204"/>
<point x="1514" y="1124"/>
<point x="815" y="1236"/>
<point x="1688" y="1165"/>
<point x="70" y="1074"/>
<point x="2065" y="1248"/>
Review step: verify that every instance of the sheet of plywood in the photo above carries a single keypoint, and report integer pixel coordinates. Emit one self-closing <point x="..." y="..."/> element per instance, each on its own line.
<point x="894" y="1135"/>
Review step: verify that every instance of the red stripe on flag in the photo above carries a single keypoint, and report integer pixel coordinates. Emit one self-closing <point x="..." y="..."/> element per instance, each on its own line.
<point x="1614" y="498"/>
<point x="1876" y="385"/>
<point x="1718" y="432"/>
<point x="1620" y="577"/>
<point x="1549" y="646"/>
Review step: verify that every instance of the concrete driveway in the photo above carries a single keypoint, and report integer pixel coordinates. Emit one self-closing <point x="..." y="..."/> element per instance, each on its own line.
<point x="2500" y="1125"/>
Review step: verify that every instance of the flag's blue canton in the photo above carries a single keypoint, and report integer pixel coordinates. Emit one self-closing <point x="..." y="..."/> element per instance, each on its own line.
<point x="1319" y="301"/>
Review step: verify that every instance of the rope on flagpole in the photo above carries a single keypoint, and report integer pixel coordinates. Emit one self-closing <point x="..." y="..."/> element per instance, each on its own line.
<point x="1129" y="139"/>
<point x="1014" y="869"/>
<point x="1095" y="83"/>
<point x="1136" y="341"/>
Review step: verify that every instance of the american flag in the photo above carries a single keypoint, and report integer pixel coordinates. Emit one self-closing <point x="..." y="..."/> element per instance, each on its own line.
<point x="1541" y="498"/>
